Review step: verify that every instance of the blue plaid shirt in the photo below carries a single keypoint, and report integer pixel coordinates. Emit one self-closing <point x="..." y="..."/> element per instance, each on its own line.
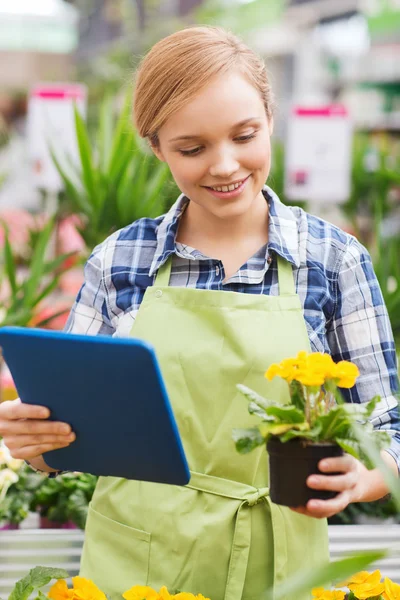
<point x="343" y="306"/>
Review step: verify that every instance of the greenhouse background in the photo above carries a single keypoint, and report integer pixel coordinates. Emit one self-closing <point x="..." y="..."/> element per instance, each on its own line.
<point x="336" y="59"/>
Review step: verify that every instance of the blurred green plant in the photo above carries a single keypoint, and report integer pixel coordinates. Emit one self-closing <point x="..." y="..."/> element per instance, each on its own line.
<point x="64" y="498"/>
<point x="23" y="293"/>
<point x="116" y="183"/>
<point x="16" y="502"/>
<point x="375" y="170"/>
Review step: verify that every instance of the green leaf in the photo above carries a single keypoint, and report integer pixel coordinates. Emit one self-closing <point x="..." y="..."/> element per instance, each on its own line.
<point x="252" y="396"/>
<point x="373" y="453"/>
<point x="287" y="414"/>
<point x="254" y="409"/>
<point x="306" y="579"/>
<point x="105" y="133"/>
<point x="76" y="196"/>
<point x="37" y="264"/>
<point x="349" y="446"/>
<point x="11" y="269"/>
<point x="311" y="434"/>
<point x="41" y="576"/>
<point x="85" y="154"/>
<point x="297" y="394"/>
<point x="278" y="429"/>
<point x="334" y="424"/>
<point x="247" y="439"/>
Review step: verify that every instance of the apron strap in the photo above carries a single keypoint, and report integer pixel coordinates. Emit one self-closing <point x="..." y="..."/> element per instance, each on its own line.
<point x="285" y="277"/>
<point x="248" y="497"/>
<point x="164" y="273"/>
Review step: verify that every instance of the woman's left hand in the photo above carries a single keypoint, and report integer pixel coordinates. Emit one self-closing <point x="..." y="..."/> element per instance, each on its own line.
<point x="350" y="485"/>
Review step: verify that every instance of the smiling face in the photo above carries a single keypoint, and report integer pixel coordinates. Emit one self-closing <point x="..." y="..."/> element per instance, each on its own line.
<point x="218" y="147"/>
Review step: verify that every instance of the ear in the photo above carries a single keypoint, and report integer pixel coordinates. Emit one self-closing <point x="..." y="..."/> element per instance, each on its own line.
<point x="157" y="151"/>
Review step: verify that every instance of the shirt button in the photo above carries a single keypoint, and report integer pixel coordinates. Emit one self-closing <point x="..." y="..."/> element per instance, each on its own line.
<point x="269" y="259"/>
<point x="217" y="271"/>
<point x="158" y="293"/>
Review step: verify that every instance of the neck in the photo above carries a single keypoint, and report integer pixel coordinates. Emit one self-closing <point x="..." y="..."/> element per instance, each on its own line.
<point x="198" y="224"/>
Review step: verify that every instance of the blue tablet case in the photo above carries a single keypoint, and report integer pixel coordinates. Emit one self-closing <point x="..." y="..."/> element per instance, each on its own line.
<point x="110" y="391"/>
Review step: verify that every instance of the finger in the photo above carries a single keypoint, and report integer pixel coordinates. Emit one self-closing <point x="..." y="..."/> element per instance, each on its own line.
<point x="22" y="441"/>
<point x="337" y="464"/>
<point x="30" y="426"/>
<point x="34" y="451"/>
<point x="327" y="508"/>
<point x="335" y="483"/>
<point x="15" y="409"/>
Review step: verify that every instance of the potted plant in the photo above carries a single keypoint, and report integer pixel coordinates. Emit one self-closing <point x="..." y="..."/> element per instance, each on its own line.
<point x="63" y="502"/>
<point x="17" y="485"/>
<point x="361" y="586"/>
<point x="314" y="424"/>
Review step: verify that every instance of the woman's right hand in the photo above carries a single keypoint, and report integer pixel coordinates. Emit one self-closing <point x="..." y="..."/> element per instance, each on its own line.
<point x="27" y="433"/>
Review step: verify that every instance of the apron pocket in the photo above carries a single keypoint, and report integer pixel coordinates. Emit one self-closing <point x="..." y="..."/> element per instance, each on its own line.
<point x="115" y="556"/>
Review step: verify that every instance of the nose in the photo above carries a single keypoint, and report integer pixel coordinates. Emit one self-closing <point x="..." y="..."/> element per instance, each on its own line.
<point x="224" y="164"/>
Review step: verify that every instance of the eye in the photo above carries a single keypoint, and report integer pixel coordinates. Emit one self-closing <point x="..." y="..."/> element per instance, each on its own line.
<point x="245" y="138"/>
<point x="192" y="152"/>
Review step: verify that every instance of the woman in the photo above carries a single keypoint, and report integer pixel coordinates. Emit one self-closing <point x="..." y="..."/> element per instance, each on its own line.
<point x="205" y="284"/>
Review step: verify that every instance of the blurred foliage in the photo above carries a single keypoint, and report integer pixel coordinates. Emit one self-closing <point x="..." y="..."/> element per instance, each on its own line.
<point x="360" y="512"/>
<point x="375" y="170"/>
<point x="118" y="180"/>
<point x="240" y="17"/>
<point x="41" y="277"/>
<point x="64" y="498"/>
<point x="16" y="504"/>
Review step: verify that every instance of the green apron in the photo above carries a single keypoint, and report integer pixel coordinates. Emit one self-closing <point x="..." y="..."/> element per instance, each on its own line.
<point x="220" y="535"/>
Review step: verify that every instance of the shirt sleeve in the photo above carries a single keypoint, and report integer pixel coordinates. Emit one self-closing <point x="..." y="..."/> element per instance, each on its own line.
<point x="360" y="332"/>
<point x="90" y="314"/>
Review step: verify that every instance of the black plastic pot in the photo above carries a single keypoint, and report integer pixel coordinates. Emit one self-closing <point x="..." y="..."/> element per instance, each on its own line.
<point x="290" y="464"/>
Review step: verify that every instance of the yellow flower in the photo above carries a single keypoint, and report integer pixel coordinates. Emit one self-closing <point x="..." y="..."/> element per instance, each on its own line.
<point x="366" y="585"/>
<point x="165" y="595"/>
<point x="391" y="591"/>
<point x="85" y="589"/>
<point x="141" y="592"/>
<point x="322" y="594"/>
<point x="184" y="596"/>
<point x="60" y="591"/>
<point x="346" y="373"/>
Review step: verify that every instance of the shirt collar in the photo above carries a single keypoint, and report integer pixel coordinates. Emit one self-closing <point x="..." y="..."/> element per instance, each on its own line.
<point x="283" y="235"/>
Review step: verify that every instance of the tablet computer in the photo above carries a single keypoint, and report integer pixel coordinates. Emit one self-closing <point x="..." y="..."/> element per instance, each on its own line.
<point x="111" y="392"/>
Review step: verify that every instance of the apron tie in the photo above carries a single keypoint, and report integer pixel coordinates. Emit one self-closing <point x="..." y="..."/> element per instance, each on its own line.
<point x="248" y="496"/>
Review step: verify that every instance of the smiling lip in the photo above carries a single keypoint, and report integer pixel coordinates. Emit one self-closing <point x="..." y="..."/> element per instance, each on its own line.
<point x="231" y="194"/>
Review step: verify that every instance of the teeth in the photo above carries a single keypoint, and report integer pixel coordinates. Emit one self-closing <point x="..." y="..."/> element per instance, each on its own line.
<point x="228" y="188"/>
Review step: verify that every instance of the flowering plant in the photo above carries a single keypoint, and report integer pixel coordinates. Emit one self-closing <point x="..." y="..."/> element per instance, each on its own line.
<point x="83" y="589"/>
<point x="316" y="411"/>
<point x="362" y="586"/>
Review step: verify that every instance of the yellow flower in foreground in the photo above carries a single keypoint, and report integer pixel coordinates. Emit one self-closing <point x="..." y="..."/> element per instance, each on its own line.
<point x="346" y="373"/>
<point x="322" y="594"/>
<point x="366" y="585"/>
<point x="60" y="591"/>
<point x="391" y="591"/>
<point x="313" y="370"/>
<point x="85" y="589"/>
<point x="141" y="592"/>
<point x="165" y="595"/>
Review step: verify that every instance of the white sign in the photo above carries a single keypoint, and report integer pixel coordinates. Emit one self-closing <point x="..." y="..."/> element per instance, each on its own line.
<point x="318" y="154"/>
<point x="51" y="125"/>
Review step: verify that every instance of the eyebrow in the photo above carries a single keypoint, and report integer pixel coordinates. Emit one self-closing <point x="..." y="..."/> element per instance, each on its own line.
<point x="182" y="138"/>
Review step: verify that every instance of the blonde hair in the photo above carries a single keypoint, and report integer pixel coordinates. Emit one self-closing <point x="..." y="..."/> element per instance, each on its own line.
<point x="180" y="65"/>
